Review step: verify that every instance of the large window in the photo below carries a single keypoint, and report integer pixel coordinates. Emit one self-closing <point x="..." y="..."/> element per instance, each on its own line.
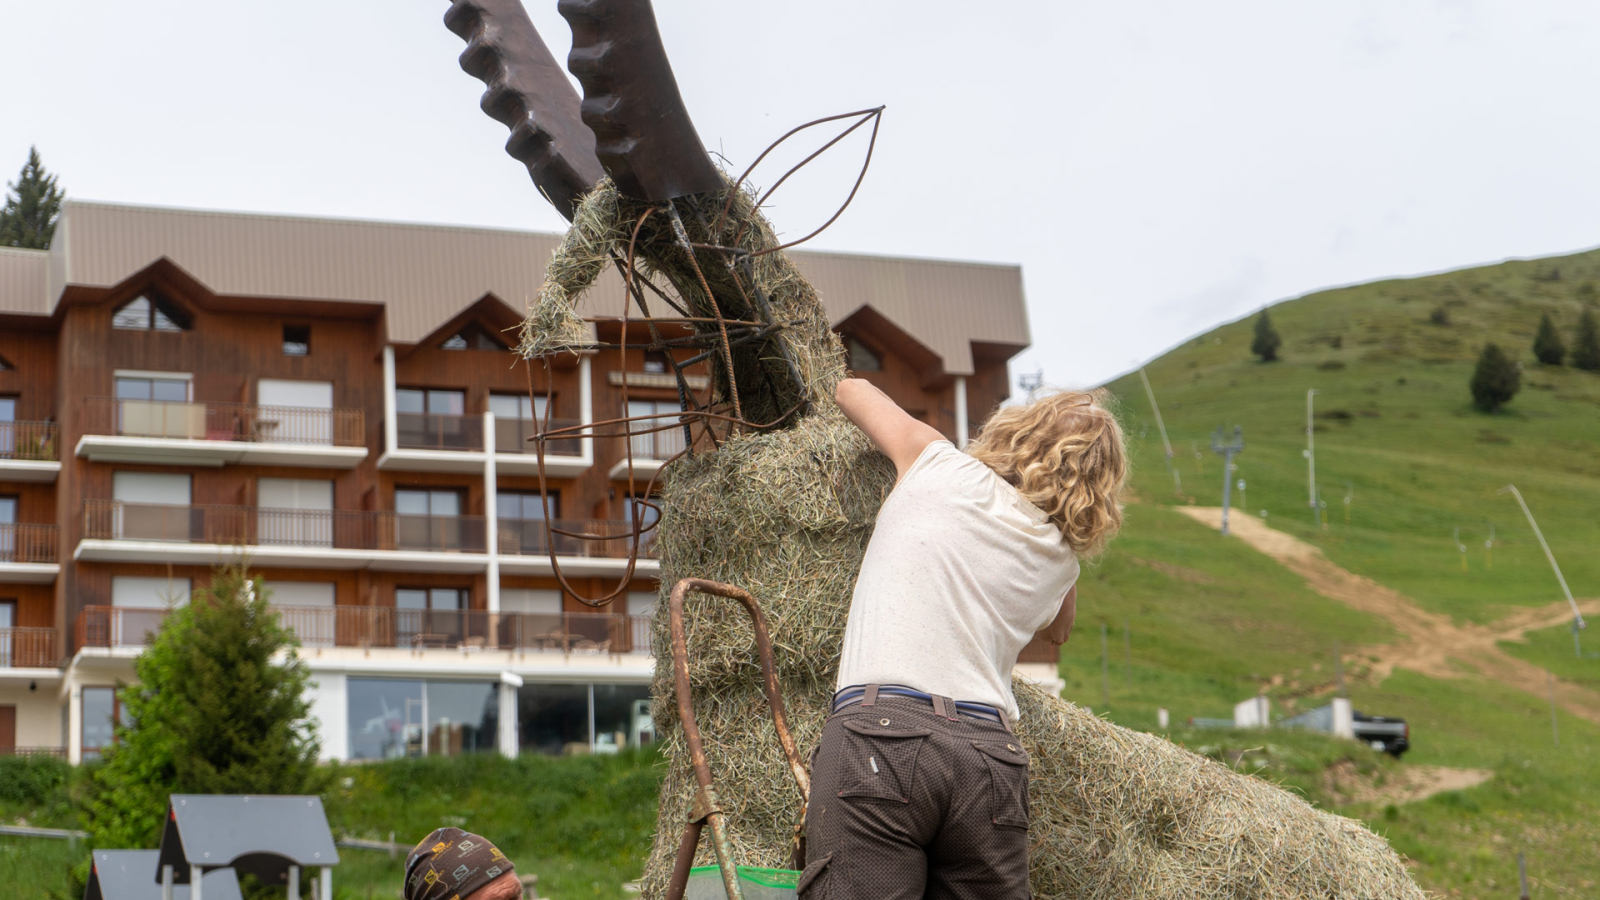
<point x="8" y="432"/>
<point x="101" y="713"/>
<point x="472" y="337"/>
<point x="649" y="513"/>
<point x="583" y="718"/>
<point x="660" y="444"/>
<point x="158" y="406"/>
<point x="389" y="719"/>
<point x="8" y="531"/>
<point x="520" y="519"/>
<point x="163" y="388"/>
<point x="143" y="313"/>
<point x="435" y="419"/>
<point x="431" y="520"/>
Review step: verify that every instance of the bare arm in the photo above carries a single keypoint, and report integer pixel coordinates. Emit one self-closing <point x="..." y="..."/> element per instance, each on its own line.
<point x="1060" y="629"/>
<point x="900" y="436"/>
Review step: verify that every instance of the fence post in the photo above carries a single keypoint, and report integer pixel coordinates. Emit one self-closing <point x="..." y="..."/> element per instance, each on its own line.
<point x="1105" y="669"/>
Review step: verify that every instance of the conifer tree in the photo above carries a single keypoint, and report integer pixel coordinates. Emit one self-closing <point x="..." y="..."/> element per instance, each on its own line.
<point x="1547" y="345"/>
<point x="32" y="205"/>
<point x="1496" y="379"/>
<point x="1266" y="341"/>
<point x="219" y="708"/>
<point x="1586" y="349"/>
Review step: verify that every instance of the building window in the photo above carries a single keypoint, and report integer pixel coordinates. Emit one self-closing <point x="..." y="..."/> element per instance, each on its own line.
<point x="297" y="340"/>
<point x="431" y="617"/>
<point x="432" y="419"/>
<point x="472" y="337"/>
<point x="102" y="713"/>
<point x="862" y="359"/>
<point x="430" y="402"/>
<point x="663" y="444"/>
<point x="167" y="390"/>
<point x="655" y="362"/>
<point x="520" y="521"/>
<point x="143" y="313"/>
<point x="391" y="719"/>
<point x="583" y="718"/>
<point x="5" y="365"/>
<point x="517" y="407"/>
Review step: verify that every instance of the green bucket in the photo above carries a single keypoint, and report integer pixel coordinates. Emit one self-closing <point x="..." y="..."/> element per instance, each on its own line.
<point x="705" y="883"/>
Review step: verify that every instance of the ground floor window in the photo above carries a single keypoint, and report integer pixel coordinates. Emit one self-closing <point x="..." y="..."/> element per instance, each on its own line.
<point x="102" y="712"/>
<point x="583" y="718"/>
<point x="391" y="718"/>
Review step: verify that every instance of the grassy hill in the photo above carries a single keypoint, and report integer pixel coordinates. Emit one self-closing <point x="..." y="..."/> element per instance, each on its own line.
<point x="1210" y="621"/>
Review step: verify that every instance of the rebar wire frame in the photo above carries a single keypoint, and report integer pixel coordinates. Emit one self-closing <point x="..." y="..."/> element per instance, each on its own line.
<point x="705" y="809"/>
<point x="730" y="333"/>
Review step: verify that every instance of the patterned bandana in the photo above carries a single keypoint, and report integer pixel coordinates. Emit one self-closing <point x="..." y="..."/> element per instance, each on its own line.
<point x="450" y="864"/>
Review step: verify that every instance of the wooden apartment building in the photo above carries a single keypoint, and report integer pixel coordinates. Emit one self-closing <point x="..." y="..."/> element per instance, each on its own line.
<point x="336" y="402"/>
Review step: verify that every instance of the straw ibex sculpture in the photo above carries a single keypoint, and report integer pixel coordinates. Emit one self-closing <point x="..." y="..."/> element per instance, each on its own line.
<point x="779" y="499"/>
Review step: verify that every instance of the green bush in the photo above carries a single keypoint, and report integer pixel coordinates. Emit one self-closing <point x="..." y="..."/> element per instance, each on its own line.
<point x="32" y="780"/>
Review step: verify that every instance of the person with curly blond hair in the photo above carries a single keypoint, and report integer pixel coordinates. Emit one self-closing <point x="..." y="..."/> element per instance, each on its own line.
<point x="919" y="789"/>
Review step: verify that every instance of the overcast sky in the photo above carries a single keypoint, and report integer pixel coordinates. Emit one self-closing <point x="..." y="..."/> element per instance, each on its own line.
<point x="1155" y="167"/>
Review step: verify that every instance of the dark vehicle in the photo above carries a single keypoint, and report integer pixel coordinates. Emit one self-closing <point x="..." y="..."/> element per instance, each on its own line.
<point x="1392" y="736"/>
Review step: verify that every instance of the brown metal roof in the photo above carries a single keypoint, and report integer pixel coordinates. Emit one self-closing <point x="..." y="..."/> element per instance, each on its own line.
<point x="425" y="274"/>
<point x="22" y="281"/>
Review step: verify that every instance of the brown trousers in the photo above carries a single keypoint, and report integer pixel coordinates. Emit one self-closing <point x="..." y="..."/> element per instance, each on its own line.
<point x="907" y="805"/>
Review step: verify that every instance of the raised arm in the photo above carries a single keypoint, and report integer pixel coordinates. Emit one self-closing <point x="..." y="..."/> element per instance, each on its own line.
<point x="900" y="436"/>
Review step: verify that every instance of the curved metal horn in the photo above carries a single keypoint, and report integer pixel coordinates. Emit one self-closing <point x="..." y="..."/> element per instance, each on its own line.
<point x="645" y="138"/>
<point x="530" y="94"/>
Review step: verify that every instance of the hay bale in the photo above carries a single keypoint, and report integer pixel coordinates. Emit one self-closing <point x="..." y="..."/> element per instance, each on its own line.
<point x="786" y="514"/>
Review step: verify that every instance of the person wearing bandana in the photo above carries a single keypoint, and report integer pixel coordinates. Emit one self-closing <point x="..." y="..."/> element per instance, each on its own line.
<point x="451" y="864"/>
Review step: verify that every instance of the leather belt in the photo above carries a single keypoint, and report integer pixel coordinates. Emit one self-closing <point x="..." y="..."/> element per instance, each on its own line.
<point x="944" y="707"/>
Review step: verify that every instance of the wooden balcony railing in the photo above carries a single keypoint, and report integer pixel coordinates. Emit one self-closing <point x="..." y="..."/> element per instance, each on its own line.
<point x="600" y="538"/>
<point x="382" y="626"/>
<point x="28" y="543"/>
<point x="252" y="526"/>
<point x="216" y="421"/>
<point x="29" y="440"/>
<point x="28" y="648"/>
<point x="515" y="436"/>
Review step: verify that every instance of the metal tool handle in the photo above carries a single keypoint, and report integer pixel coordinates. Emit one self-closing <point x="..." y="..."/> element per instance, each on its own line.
<point x="705" y="810"/>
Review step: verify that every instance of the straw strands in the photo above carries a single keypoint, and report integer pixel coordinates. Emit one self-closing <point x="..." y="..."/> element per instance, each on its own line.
<point x="786" y="514"/>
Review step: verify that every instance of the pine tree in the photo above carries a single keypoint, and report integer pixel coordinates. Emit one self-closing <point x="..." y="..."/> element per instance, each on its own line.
<point x="1496" y="379"/>
<point x="32" y="205"/>
<point x="1586" y="349"/>
<point x="219" y="707"/>
<point x="1266" y="341"/>
<point x="1547" y="345"/>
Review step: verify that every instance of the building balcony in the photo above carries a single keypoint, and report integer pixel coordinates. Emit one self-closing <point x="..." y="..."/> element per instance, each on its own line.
<point x="370" y="627"/>
<point x="452" y="443"/>
<point x="116" y="531"/>
<point x="582" y="547"/>
<point x="28" y="554"/>
<point x="216" y="434"/>
<point x="29" y="648"/>
<point x="29" y="451"/>
<point x="650" y="452"/>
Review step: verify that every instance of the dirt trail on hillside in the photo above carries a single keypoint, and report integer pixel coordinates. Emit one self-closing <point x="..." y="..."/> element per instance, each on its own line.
<point x="1430" y="643"/>
<point x="1401" y="785"/>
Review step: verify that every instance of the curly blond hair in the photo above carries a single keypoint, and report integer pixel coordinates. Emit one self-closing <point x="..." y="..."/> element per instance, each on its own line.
<point x="1064" y="452"/>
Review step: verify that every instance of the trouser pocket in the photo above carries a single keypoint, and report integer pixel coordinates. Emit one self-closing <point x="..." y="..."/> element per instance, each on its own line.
<point x="1008" y="782"/>
<point x="878" y="761"/>
<point x="813" y="884"/>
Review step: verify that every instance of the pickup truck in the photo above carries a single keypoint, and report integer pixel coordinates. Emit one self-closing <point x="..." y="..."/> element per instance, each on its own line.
<point x="1392" y="736"/>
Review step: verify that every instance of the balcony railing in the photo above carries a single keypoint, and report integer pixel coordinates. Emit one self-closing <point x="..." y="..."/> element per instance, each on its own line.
<point x="214" y="421"/>
<point x="29" y="440"/>
<point x="27" y="543"/>
<point x="252" y="526"/>
<point x="432" y="431"/>
<point x="382" y="626"/>
<point x="515" y="436"/>
<point x="28" y="648"/>
<point x="438" y="431"/>
<point x="602" y="538"/>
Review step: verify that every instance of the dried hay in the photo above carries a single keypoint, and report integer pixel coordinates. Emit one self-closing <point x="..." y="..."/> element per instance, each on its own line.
<point x="786" y="514"/>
